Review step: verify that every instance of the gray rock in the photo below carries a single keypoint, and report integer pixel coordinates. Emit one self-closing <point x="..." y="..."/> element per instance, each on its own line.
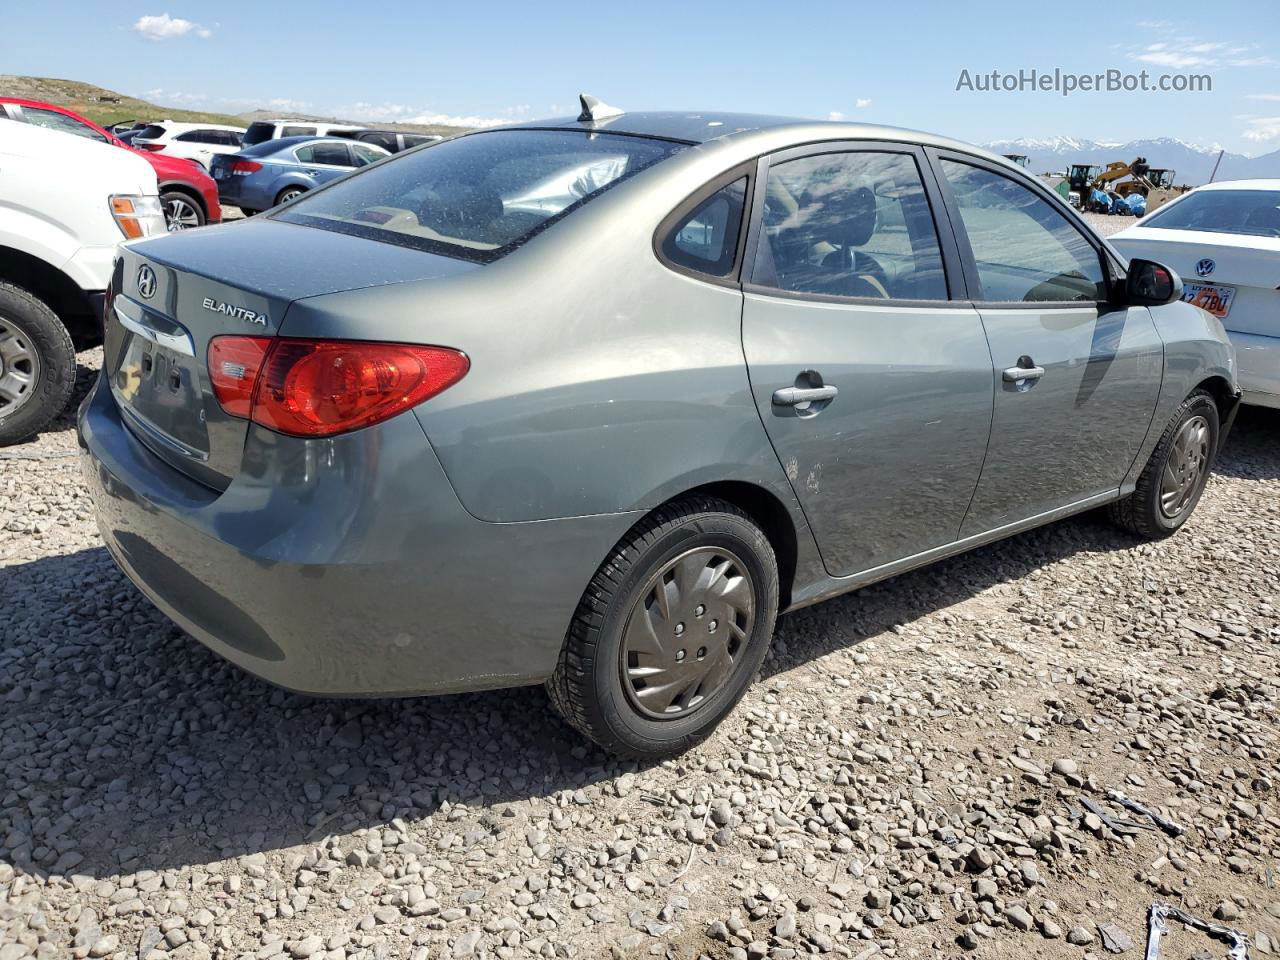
<point x="1114" y="939"/>
<point x="1080" y="936"/>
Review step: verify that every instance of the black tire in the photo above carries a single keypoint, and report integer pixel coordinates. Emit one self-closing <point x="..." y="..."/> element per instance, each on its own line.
<point x="172" y="197"/>
<point x="249" y="212"/>
<point x="1142" y="512"/>
<point x="42" y="335"/>
<point x="288" y="193"/>
<point x="588" y="688"/>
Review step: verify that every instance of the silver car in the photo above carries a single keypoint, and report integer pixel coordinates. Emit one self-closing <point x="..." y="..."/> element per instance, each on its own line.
<point x="588" y="402"/>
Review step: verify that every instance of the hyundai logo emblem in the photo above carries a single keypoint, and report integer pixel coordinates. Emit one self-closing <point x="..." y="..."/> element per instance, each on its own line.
<point x="146" y="282"/>
<point x="1204" y="267"/>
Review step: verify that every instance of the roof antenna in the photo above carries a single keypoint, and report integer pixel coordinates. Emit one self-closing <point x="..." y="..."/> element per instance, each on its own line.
<point x="594" y="109"/>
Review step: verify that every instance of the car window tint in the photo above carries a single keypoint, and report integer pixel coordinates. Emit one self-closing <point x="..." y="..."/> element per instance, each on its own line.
<point x="194" y="136"/>
<point x="1024" y="249"/>
<point x="258" y="132"/>
<point x="479" y="196"/>
<point x="228" y="138"/>
<point x="296" y="131"/>
<point x="60" y="121"/>
<point x="1254" y="213"/>
<point x="412" y="141"/>
<point x="707" y="239"/>
<point x="334" y="154"/>
<point x="365" y="155"/>
<point x="150" y="132"/>
<point x="387" y="141"/>
<point x="852" y="224"/>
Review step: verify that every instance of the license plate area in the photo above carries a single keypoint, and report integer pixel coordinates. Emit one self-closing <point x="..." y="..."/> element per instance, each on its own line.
<point x="161" y="391"/>
<point x="1213" y="297"/>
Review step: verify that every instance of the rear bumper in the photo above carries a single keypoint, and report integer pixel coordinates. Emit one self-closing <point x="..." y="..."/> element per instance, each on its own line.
<point x="344" y="567"/>
<point x="1258" y="368"/>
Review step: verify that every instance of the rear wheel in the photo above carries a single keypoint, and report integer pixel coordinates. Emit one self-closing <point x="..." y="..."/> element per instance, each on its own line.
<point x="671" y="630"/>
<point x="1171" y="483"/>
<point x="37" y="364"/>
<point x="180" y="211"/>
<point x="249" y="211"/>
<point x="288" y="193"/>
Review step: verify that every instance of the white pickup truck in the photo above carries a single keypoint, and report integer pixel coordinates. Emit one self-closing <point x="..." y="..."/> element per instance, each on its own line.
<point x="66" y="203"/>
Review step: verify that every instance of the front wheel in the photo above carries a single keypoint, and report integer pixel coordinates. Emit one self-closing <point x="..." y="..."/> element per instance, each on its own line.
<point x="671" y="630"/>
<point x="180" y="211"/>
<point x="37" y="364"/>
<point x="1171" y="483"/>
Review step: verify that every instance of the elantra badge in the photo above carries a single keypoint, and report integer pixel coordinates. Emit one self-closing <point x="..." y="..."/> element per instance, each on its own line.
<point x="1204" y="267"/>
<point x="234" y="312"/>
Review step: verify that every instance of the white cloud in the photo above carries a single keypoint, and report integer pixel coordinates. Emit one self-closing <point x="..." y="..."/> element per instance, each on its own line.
<point x="1179" y="51"/>
<point x="1262" y="129"/>
<point x="862" y="102"/>
<point x="165" y="27"/>
<point x="836" y="115"/>
<point x="405" y="113"/>
<point x="1170" y="58"/>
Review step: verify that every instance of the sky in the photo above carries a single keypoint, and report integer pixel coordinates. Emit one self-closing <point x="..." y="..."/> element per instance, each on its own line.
<point x="897" y="62"/>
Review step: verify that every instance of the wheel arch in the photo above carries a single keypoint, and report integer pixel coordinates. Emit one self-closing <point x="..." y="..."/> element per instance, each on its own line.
<point x="771" y="515"/>
<point x="1225" y="397"/>
<point x="57" y="290"/>
<point x="188" y="191"/>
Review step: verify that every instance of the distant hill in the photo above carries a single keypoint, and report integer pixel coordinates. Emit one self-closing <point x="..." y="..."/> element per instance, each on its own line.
<point x="106" y="107"/>
<point x="1193" y="162"/>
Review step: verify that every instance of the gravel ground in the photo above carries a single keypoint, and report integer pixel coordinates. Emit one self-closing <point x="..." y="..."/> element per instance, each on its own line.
<point x="909" y="777"/>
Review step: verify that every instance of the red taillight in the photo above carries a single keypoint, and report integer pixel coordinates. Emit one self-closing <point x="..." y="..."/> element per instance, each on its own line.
<point x="234" y="365"/>
<point x="153" y="147"/>
<point x="242" y="168"/>
<point x="316" y="388"/>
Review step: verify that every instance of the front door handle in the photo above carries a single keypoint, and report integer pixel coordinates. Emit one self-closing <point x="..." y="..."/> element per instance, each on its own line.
<point x="794" y="396"/>
<point x="1014" y="374"/>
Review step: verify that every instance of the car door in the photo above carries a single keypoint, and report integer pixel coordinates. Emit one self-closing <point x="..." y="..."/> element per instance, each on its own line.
<point x="1076" y="377"/>
<point x="874" y="387"/>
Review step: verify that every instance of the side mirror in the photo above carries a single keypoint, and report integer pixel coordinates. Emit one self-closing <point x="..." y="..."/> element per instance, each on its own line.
<point x="1151" y="284"/>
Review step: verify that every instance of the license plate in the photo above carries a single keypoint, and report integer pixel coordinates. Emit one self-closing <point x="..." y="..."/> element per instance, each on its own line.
<point x="1212" y="297"/>
<point x="222" y="173"/>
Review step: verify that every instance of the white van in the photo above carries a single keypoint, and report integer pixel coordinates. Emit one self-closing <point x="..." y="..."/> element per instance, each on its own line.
<point x="66" y="203"/>
<point x="260" y="131"/>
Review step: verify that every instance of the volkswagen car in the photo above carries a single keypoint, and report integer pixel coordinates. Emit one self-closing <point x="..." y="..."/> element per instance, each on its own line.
<point x="1225" y="240"/>
<point x="588" y="402"/>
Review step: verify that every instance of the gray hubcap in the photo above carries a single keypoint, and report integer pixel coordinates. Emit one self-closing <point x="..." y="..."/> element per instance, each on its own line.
<point x="1183" y="471"/>
<point x="180" y="214"/>
<point x="19" y="367"/>
<point x="687" y="631"/>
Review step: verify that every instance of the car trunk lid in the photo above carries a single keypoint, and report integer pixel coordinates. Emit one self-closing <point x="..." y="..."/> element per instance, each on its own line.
<point x="176" y="294"/>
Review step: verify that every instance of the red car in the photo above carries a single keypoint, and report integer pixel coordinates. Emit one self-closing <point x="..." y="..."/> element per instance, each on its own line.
<point x="189" y="195"/>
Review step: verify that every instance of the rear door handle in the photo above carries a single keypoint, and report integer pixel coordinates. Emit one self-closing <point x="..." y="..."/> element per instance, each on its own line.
<point x="1014" y="374"/>
<point x="793" y="396"/>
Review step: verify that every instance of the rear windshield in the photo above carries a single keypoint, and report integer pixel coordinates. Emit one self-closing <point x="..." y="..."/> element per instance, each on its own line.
<point x="258" y="133"/>
<point x="480" y="196"/>
<point x="263" y="149"/>
<point x="1254" y="213"/>
<point x="150" y="132"/>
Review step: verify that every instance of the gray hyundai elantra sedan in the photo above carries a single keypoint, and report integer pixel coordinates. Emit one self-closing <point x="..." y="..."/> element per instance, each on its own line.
<point x="588" y="402"/>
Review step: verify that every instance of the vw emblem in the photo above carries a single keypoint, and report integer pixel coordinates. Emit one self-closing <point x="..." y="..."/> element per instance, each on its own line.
<point x="147" y="282"/>
<point x="1204" y="267"/>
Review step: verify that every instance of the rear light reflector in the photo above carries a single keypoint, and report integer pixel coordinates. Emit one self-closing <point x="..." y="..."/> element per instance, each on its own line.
<point x="317" y="388"/>
<point x="242" y="168"/>
<point x="153" y="147"/>
<point x="234" y="365"/>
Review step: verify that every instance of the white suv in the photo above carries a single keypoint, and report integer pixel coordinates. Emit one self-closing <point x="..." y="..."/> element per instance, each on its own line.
<point x="198" y="142"/>
<point x="66" y="203"/>
<point x="261" y="131"/>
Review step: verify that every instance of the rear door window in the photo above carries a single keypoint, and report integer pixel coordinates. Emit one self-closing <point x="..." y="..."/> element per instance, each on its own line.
<point x="387" y="141"/>
<point x="480" y="196"/>
<point x="329" y="154"/>
<point x="855" y="224"/>
<point x="707" y="239"/>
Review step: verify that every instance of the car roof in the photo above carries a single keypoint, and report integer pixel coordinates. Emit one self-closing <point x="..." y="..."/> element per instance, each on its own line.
<point x="1271" y="184"/>
<point x="284" y="143"/>
<point x="710" y="126"/>
<point x="185" y="125"/>
<point x="314" y="123"/>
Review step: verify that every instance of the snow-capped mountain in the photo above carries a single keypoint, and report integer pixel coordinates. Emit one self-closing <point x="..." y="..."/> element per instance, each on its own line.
<point x="1192" y="161"/>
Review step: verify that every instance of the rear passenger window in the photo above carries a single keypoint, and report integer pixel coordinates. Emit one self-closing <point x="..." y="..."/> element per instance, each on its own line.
<point x="852" y="224"/>
<point x="333" y="154"/>
<point x="707" y="239"/>
<point x="296" y="132"/>
<point x="1024" y="249"/>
